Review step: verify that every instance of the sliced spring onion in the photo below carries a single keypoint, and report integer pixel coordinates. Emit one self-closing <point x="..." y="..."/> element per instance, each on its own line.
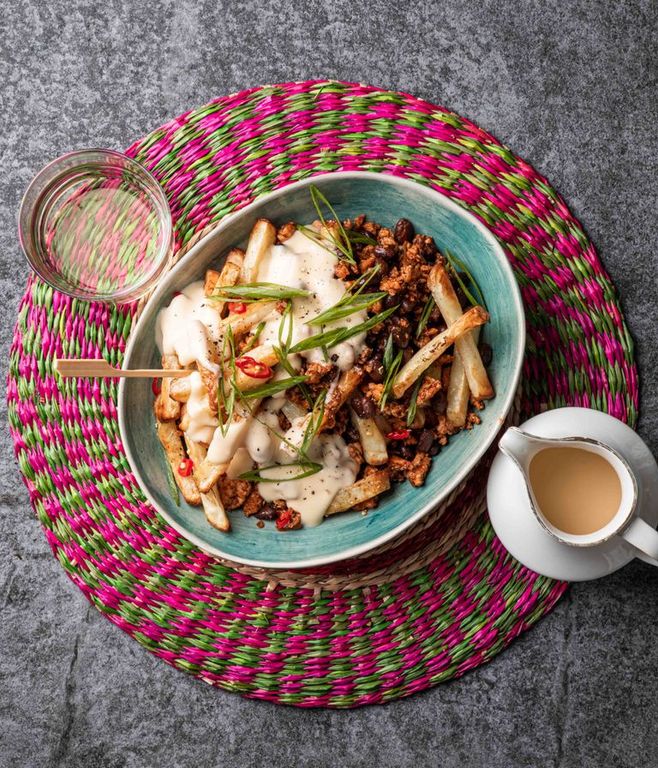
<point x="173" y="488"/>
<point x="258" y="291"/>
<point x="329" y="339"/>
<point x="308" y="469"/>
<point x="345" y="247"/>
<point x="413" y="402"/>
<point x="274" y="387"/>
<point x="391" y="363"/>
<point x="459" y="266"/>
<point x="345" y="307"/>
<point x="425" y="316"/>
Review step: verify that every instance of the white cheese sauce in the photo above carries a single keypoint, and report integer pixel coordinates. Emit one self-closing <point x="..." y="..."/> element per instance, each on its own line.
<point x="190" y="327"/>
<point x="311" y="496"/>
<point x="302" y="263"/>
<point x="202" y="423"/>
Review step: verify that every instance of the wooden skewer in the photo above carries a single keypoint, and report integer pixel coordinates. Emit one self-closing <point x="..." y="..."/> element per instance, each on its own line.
<point x="101" y="369"/>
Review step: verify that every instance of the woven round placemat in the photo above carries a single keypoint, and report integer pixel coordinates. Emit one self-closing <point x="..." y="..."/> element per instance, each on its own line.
<point x="443" y="599"/>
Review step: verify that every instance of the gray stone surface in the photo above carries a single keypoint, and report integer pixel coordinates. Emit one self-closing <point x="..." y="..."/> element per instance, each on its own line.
<point x="572" y="88"/>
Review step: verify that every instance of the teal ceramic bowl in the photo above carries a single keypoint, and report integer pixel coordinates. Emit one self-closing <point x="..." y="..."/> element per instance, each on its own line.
<point x="384" y="199"/>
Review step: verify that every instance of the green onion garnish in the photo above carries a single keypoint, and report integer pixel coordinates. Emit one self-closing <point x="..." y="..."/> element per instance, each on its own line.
<point x="254" y="337"/>
<point x="413" y="402"/>
<point x="391" y="363"/>
<point x="314" y="423"/>
<point x="345" y="247"/>
<point x="255" y="476"/>
<point x="353" y="300"/>
<point x="173" y="488"/>
<point x="329" y="339"/>
<point x="274" y="387"/>
<point x="347" y="305"/>
<point x="227" y="400"/>
<point x="360" y="237"/>
<point x="459" y="266"/>
<point x="258" y="291"/>
<point x="425" y="316"/>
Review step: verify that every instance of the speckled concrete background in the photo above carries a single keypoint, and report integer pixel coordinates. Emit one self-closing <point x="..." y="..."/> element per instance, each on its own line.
<point x="572" y="87"/>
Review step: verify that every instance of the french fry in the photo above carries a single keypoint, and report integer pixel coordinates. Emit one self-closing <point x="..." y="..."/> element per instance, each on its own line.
<point x="436" y="347"/>
<point x="165" y="407"/>
<point x="229" y="275"/>
<point x="372" y="440"/>
<point x="180" y="389"/>
<point x="241" y="324"/>
<point x="206" y="474"/>
<point x="209" y="474"/>
<point x="212" y="276"/>
<point x="262" y="354"/>
<point x="210" y="381"/>
<point x="214" y="510"/>
<point x="336" y="397"/>
<point x="232" y="268"/>
<point x="261" y="238"/>
<point x="241" y="462"/>
<point x="211" y="501"/>
<point x="172" y="443"/>
<point x="466" y="347"/>
<point x="364" y="489"/>
<point x="458" y="390"/>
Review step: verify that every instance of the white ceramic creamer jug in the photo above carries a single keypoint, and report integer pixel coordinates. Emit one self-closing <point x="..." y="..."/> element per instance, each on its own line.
<point x="572" y="494"/>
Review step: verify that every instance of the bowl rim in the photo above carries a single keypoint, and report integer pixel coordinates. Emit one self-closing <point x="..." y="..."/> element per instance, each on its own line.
<point x="464" y="471"/>
<point x="146" y="179"/>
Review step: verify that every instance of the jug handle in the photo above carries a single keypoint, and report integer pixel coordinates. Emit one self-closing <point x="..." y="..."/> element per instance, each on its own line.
<point x="643" y="537"/>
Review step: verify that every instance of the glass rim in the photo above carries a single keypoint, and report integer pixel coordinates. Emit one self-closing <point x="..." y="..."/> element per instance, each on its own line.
<point x="45" y="177"/>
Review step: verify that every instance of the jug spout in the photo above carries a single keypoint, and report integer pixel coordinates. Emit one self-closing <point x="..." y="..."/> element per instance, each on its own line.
<point x="520" y="446"/>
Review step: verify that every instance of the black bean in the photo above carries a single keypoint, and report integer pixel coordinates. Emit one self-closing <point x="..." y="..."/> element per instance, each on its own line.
<point x="385" y="252"/>
<point x="425" y="440"/>
<point x="431" y="418"/>
<point x="267" y="512"/>
<point x="390" y="301"/>
<point x="407" y="452"/>
<point x="404" y="231"/>
<point x="401" y="334"/>
<point x="376" y="373"/>
<point x="436" y="317"/>
<point x="407" y="305"/>
<point x="434" y="449"/>
<point x="364" y="406"/>
<point x="439" y="403"/>
<point x="486" y="353"/>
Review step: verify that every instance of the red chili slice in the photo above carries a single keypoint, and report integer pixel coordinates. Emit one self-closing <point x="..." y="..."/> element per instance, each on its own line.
<point x="284" y="519"/>
<point x="403" y="434"/>
<point x="185" y="467"/>
<point x="253" y="368"/>
<point x="237" y="307"/>
<point x="156" y="387"/>
<point x="176" y="293"/>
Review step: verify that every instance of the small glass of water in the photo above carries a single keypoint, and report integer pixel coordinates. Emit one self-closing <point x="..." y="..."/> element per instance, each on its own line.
<point x="96" y="225"/>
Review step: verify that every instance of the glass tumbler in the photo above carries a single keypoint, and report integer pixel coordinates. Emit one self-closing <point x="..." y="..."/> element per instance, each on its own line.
<point x="96" y="225"/>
